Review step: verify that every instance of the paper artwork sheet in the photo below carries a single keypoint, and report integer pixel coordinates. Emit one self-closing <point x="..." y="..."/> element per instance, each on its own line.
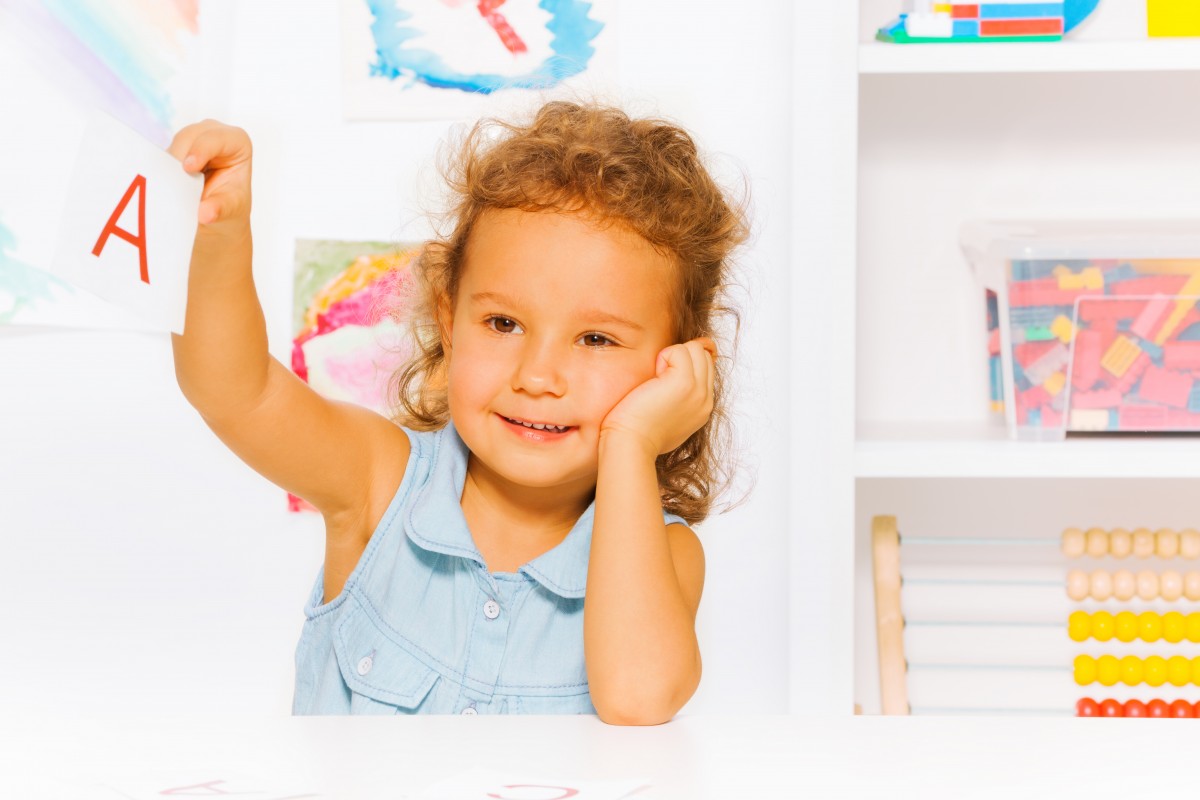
<point x="352" y="302"/>
<point x="144" y="63"/>
<point x="457" y="59"/>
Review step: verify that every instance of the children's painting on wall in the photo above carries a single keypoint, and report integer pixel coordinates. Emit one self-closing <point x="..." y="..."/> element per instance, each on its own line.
<point x="142" y="62"/>
<point x="349" y="322"/>
<point x="452" y="59"/>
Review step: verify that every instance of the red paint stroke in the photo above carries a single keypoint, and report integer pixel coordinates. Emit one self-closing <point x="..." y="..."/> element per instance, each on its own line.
<point x="111" y="229"/>
<point x="500" y="25"/>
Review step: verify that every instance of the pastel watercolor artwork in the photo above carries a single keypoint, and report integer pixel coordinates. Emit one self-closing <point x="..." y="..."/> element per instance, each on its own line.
<point x="352" y="302"/>
<point x="408" y="58"/>
<point x="138" y="61"/>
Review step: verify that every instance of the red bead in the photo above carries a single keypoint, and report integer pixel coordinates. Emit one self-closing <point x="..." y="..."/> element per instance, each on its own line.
<point x="1196" y="708"/>
<point x="1182" y="708"/>
<point x="1135" y="708"/>
<point x="1111" y="708"/>
<point x="1158" y="708"/>
<point x="1087" y="707"/>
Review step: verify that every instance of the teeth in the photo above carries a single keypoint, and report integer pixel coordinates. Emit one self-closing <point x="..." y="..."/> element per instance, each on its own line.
<point x="540" y="426"/>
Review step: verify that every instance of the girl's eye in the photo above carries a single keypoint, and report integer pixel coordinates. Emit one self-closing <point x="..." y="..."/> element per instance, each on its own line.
<point x="501" y="321"/>
<point x="591" y="340"/>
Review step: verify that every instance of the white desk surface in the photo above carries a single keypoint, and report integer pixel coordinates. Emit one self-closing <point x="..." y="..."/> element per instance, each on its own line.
<point x="691" y="757"/>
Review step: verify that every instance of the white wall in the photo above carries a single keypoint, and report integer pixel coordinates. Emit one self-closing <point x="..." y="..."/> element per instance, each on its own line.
<point x="150" y="571"/>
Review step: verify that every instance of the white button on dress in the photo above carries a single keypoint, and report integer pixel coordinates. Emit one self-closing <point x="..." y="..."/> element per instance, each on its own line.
<point x="364" y="665"/>
<point x="469" y="710"/>
<point x="491" y="609"/>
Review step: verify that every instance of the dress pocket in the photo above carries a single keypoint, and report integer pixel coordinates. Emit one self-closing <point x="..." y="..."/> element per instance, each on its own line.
<point x="383" y="676"/>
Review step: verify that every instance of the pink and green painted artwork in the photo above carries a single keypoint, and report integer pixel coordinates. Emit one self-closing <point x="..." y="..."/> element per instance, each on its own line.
<point x="349" y="325"/>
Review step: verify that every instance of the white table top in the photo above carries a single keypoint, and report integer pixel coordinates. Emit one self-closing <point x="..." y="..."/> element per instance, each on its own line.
<point x="691" y="757"/>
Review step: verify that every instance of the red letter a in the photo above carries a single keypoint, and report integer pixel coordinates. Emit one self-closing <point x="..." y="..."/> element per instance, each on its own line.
<point x="139" y="241"/>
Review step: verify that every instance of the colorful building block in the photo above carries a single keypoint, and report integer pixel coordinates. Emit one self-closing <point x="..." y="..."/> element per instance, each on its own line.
<point x="1172" y="18"/>
<point x="1166" y="387"/>
<point x="1085" y="366"/>
<point x="1120" y="356"/>
<point x="1153" y="313"/>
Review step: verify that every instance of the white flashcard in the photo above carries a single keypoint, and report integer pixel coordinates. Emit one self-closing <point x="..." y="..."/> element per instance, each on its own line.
<point x="482" y="784"/>
<point x="212" y="785"/>
<point x="129" y="224"/>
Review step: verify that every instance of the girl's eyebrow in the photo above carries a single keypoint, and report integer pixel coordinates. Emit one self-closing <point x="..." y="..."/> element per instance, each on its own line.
<point x="591" y="314"/>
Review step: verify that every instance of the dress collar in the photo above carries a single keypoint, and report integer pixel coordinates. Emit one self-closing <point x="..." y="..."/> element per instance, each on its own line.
<point x="435" y="521"/>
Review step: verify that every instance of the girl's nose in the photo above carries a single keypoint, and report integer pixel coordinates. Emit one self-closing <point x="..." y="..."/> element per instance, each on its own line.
<point x="540" y="370"/>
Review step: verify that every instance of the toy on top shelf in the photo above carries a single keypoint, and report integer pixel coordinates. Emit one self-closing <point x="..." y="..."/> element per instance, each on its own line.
<point x="1172" y="18"/>
<point x="929" y="21"/>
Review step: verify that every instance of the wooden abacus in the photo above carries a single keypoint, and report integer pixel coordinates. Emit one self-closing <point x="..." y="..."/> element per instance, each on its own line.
<point x="1141" y="613"/>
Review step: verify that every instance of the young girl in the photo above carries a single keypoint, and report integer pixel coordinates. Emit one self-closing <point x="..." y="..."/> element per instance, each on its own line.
<point x="564" y="425"/>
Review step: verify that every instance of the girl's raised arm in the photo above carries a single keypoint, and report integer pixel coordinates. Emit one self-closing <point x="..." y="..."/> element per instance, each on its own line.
<point x="344" y="459"/>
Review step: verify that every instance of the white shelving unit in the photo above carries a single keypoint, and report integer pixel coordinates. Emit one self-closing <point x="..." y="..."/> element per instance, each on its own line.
<point x="896" y="146"/>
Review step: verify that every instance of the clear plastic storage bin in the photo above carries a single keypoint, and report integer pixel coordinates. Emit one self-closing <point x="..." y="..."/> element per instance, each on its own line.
<point x="1096" y="324"/>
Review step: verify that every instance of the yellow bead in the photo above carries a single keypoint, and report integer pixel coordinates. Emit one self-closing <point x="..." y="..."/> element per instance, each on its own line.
<point x="1154" y="669"/>
<point x="1102" y="626"/>
<point x="1173" y="627"/>
<point x="1192" y="624"/>
<point x="1085" y="670"/>
<point x="1179" y="671"/>
<point x="1108" y="670"/>
<point x="1149" y="626"/>
<point x="1126" y="626"/>
<point x="1196" y="670"/>
<point x="1079" y="625"/>
<point x="1131" y="670"/>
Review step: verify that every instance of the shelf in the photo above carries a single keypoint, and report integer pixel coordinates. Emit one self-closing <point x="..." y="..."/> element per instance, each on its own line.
<point x="970" y="450"/>
<point x="1161" y="55"/>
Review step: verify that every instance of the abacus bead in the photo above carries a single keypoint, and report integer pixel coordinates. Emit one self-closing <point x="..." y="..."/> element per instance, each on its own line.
<point x="1072" y="543"/>
<point x="1189" y="544"/>
<point x="1174" y="626"/>
<point x="1087" y="707"/>
<point x="1196" y="670"/>
<point x="1179" y="671"/>
<point x="1147" y="584"/>
<point x="1108" y="670"/>
<point x="1154" y="670"/>
<point x="1101" y="583"/>
<point x="1102" y="626"/>
<point x="1096" y="540"/>
<point x="1166" y="543"/>
<point x="1079" y="626"/>
<point x="1126" y="626"/>
<point x="1111" y="708"/>
<point x="1135" y="708"/>
<point x="1149" y="626"/>
<point x="1085" y="670"/>
<point x="1191" y="585"/>
<point x="1143" y="543"/>
<point x="1191" y="626"/>
<point x="1120" y="543"/>
<point x="1170" y="585"/>
<point x="1182" y="709"/>
<point x="1131" y="671"/>
<point x="1124" y="585"/>
<point x="1157" y="708"/>
<point x="1078" y="585"/>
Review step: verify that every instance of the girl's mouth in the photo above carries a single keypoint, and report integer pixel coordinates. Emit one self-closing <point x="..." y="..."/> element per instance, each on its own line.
<point x="543" y="433"/>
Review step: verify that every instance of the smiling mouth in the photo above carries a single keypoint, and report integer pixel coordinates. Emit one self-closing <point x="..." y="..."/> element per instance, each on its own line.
<point x="538" y="426"/>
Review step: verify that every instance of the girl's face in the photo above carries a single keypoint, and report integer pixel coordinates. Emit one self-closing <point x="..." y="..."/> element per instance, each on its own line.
<point x="556" y="320"/>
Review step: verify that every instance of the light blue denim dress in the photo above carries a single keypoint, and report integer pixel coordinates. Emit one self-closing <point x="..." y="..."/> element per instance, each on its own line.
<point x="422" y="627"/>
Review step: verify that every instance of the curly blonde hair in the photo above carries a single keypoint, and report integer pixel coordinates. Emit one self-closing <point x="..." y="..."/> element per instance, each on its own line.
<point x="645" y="174"/>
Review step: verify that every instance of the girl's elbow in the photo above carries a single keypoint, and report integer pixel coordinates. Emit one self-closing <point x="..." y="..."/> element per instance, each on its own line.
<point x="633" y="714"/>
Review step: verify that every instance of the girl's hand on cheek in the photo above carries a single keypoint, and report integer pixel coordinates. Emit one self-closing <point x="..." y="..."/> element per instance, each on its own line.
<point x="665" y="410"/>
